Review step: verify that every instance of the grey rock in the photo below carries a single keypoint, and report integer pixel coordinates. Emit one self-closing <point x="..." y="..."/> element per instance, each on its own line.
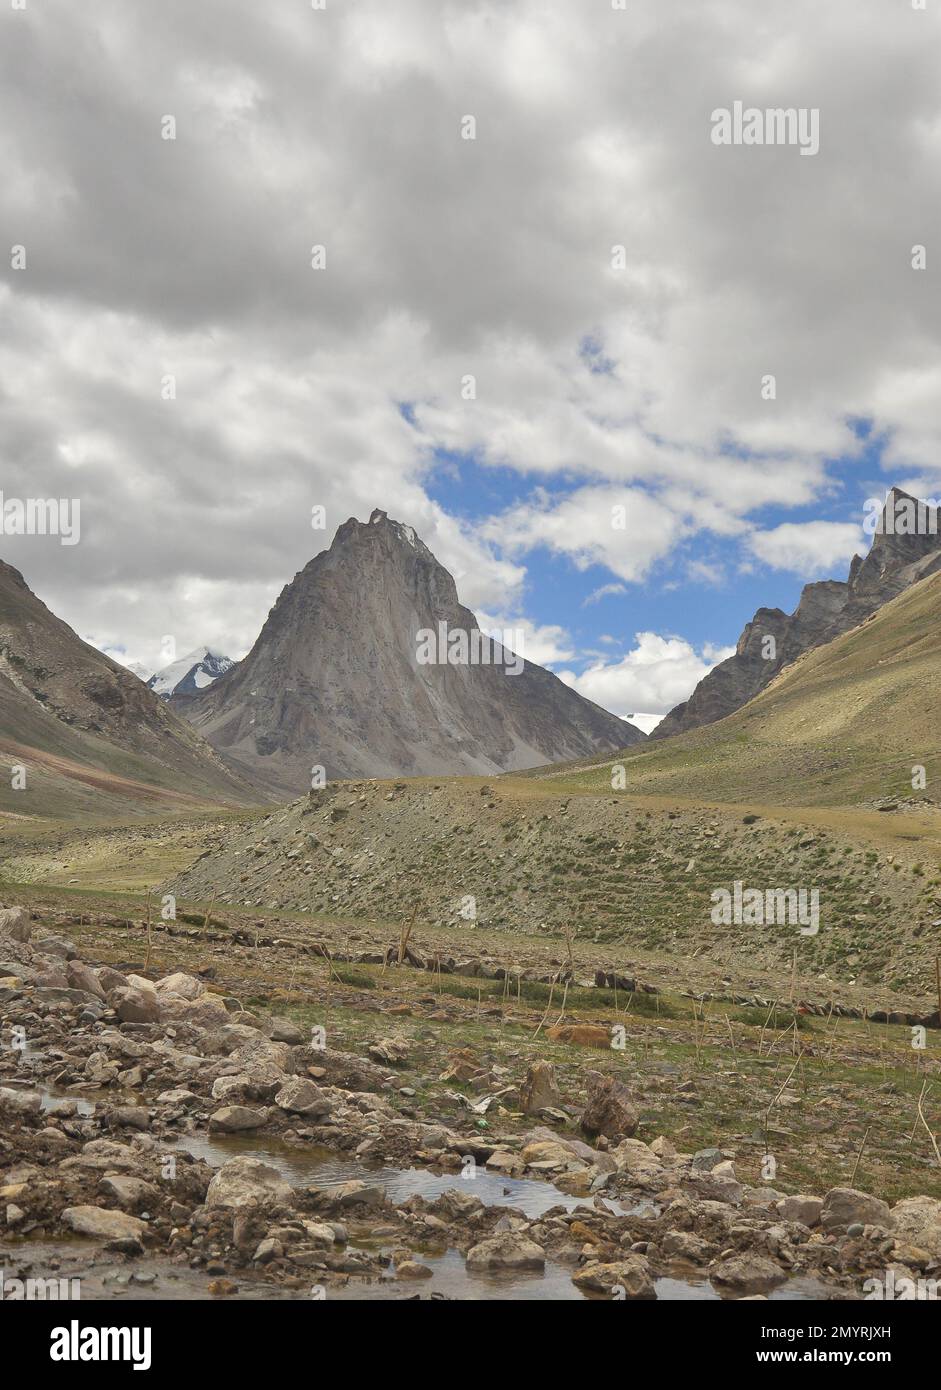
<point x="103" y="1224"/>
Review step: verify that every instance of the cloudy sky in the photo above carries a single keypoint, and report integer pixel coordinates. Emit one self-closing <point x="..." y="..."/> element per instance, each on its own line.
<point x="617" y="285"/>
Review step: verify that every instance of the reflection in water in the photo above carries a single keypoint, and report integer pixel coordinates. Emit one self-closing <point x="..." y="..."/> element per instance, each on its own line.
<point x="319" y="1167"/>
<point x="450" y="1278"/>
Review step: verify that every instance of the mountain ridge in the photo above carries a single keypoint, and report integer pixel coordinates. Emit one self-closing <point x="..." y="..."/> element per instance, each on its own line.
<point x="827" y="608"/>
<point x="91" y="735"/>
<point x="336" y="679"/>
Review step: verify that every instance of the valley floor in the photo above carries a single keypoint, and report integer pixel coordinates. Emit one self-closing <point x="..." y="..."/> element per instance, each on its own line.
<point x="753" y="1075"/>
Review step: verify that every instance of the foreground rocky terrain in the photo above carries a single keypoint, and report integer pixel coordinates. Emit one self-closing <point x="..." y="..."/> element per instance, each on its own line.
<point x="197" y="1140"/>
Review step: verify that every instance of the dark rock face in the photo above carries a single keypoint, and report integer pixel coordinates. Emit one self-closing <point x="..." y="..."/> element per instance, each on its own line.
<point x="826" y="610"/>
<point x="335" y="680"/>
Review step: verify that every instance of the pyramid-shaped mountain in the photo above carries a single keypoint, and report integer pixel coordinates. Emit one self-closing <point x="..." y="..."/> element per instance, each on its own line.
<point x="369" y="666"/>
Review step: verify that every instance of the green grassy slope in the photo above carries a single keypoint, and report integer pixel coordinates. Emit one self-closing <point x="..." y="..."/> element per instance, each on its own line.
<point x="846" y="724"/>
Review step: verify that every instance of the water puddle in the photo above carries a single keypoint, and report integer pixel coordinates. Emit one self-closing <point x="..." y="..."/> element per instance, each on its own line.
<point x="318" y="1167"/>
<point x="450" y="1279"/>
<point x="57" y="1098"/>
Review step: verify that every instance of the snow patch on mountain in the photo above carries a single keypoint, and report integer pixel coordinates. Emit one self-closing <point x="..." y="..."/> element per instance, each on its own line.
<point x="191" y="673"/>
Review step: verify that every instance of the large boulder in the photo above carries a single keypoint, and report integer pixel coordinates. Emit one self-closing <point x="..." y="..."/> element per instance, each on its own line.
<point x="637" y="1158"/>
<point x="235" y="1119"/>
<point x="628" y="1278"/>
<point x="103" y="1156"/>
<point x="205" y="1011"/>
<point x="550" y="1155"/>
<point x="610" y="1110"/>
<point x="509" y="1250"/>
<point x="719" y="1184"/>
<point x="134" y="1005"/>
<point x="102" y="1224"/>
<point x="300" y="1097"/>
<point x="57" y="946"/>
<point x="81" y="976"/>
<point x="19" y="1102"/>
<point x="284" y="1030"/>
<point x="917" y="1220"/>
<point x="801" y="1208"/>
<point x="245" y="1182"/>
<point x="110" y="979"/>
<point x="539" y="1090"/>
<point x="142" y="982"/>
<point x="742" y="1274"/>
<point x="15" y="923"/>
<point x="261" y="1083"/>
<point x="181" y="984"/>
<point x="132" y="1194"/>
<point x="845" y="1206"/>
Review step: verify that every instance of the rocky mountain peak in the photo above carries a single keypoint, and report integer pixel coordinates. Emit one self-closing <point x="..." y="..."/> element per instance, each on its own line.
<point x="906" y="547"/>
<point x="337" y="678"/>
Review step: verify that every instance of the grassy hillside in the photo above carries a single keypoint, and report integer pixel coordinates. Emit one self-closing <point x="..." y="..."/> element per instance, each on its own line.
<point x="93" y="740"/>
<point x="844" y="725"/>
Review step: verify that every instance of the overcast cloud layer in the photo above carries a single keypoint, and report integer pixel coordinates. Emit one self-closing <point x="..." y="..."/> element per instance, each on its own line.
<point x="597" y="386"/>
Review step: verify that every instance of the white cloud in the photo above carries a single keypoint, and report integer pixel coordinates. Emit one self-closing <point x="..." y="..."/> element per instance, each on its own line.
<point x="624" y="529"/>
<point x="605" y="591"/>
<point x="654" y="676"/>
<point x="447" y="258"/>
<point x="810" y="548"/>
<point x="546" y="644"/>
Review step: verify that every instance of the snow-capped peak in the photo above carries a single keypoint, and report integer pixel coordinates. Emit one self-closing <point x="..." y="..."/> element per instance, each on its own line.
<point x="191" y="673"/>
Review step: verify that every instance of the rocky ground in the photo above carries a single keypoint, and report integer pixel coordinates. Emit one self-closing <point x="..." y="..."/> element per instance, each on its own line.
<point x="117" y="1083"/>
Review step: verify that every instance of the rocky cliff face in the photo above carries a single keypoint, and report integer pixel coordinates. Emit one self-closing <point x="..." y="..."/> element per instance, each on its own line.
<point x="338" y="679"/>
<point x="826" y="610"/>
